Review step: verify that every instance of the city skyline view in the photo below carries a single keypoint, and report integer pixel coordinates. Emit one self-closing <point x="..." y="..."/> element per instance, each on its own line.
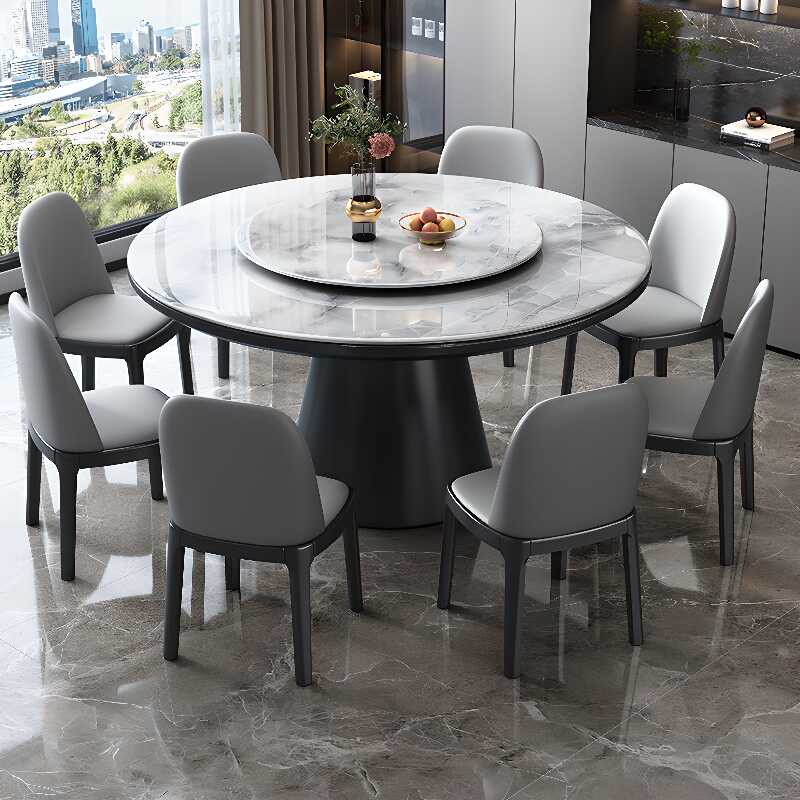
<point x="116" y="17"/>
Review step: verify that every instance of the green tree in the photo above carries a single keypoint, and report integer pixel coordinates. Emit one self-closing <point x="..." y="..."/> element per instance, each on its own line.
<point x="58" y="113"/>
<point x="187" y="108"/>
<point x="170" y="61"/>
<point x="192" y="61"/>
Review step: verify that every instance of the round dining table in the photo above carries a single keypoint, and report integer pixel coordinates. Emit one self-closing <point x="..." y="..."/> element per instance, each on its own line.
<point x="390" y="406"/>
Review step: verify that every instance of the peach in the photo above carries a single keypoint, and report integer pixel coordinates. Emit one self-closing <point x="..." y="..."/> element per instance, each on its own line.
<point x="446" y="225"/>
<point x="416" y="223"/>
<point x="429" y="215"/>
<point x="430" y="227"/>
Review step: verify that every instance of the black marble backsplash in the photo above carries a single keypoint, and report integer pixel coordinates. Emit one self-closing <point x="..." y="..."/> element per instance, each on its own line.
<point x="733" y="65"/>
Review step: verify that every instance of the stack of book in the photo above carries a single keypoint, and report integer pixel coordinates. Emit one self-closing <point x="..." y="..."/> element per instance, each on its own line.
<point x="767" y="137"/>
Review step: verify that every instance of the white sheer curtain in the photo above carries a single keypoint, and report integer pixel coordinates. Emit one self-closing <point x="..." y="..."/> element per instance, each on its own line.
<point x="219" y="55"/>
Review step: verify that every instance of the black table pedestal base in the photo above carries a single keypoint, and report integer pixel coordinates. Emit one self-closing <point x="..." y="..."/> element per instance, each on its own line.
<point x="398" y="432"/>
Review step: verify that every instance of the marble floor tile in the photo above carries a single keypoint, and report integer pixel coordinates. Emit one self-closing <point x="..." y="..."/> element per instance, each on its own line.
<point x="408" y="702"/>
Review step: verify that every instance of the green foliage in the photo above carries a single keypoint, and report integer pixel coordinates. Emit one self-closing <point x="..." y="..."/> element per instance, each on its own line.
<point x="153" y="193"/>
<point x="138" y="86"/>
<point x="187" y="108"/>
<point x="661" y="33"/>
<point x="110" y="180"/>
<point x="357" y="119"/>
<point x="141" y="68"/>
<point x="192" y="61"/>
<point x="170" y="61"/>
<point x="58" y="113"/>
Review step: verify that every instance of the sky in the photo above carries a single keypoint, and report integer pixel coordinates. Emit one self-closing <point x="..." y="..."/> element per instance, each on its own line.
<point x="123" y="15"/>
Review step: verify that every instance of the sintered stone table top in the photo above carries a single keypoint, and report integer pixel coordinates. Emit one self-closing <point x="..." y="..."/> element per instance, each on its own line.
<point x="303" y="233"/>
<point x="591" y="264"/>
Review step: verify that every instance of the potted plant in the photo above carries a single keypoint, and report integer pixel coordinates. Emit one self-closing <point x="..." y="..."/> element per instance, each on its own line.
<point x="368" y="136"/>
<point x="668" y="53"/>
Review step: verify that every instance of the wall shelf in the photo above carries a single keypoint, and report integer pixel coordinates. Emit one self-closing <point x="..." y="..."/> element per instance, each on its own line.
<point x="788" y="15"/>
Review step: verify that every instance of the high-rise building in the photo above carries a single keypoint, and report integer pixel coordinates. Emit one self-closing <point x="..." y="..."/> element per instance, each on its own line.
<point x="121" y="50"/>
<point x="61" y="55"/>
<point x="144" y="38"/>
<point x="79" y="26"/>
<point x="109" y="40"/>
<point x="37" y="22"/>
<point x="53" y="27"/>
<point x="19" y="23"/>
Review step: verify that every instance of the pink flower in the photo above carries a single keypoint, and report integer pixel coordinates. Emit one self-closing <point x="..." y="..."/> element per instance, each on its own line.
<point x="381" y="145"/>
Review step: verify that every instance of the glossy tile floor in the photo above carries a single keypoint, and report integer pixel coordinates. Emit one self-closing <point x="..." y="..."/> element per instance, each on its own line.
<point x="408" y="702"/>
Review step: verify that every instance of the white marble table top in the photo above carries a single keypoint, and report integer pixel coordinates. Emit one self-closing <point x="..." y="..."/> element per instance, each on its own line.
<point x="188" y="265"/>
<point x="302" y="232"/>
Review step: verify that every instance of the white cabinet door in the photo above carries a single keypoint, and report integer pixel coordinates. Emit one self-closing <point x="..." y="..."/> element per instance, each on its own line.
<point x="479" y="63"/>
<point x="628" y="174"/>
<point x="781" y="262"/>
<point x="551" y="87"/>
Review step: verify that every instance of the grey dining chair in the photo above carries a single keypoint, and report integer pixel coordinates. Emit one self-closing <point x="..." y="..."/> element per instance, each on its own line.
<point x="692" y="246"/>
<point x="69" y="289"/>
<point x="241" y="483"/>
<point x="715" y="418"/>
<point x="77" y="429"/>
<point x="569" y="479"/>
<point x="215" y="164"/>
<point x="494" y="153"/>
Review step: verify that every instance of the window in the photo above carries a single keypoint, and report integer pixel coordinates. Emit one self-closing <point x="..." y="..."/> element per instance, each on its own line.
<point x="99" y="97"/>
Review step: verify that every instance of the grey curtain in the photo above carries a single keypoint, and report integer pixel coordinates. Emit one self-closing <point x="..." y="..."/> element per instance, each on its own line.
<point x="283" y="69"/>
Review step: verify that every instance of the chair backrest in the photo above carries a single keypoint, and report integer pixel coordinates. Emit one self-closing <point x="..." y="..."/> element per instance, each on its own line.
<point x="730" y="404"/>
<point x="501" y="154"/>
<point x="692" y="245"/>
<point x="216" y="164"/>
<point x="239" y="472"/>
<point x="61" y="262"/>
<point x="573" y="464"/>
<point x="54" y="404"/>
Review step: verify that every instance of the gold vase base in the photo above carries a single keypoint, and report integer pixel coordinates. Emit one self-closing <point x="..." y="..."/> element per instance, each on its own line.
<point x="363" y="211"/>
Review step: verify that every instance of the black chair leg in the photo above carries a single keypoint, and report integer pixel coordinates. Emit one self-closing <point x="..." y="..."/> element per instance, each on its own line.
<point x="558" y="565"/>
<point x="299" y="564"/>
<point x="569" y="364"/>
<point x="87" y="373"/>
<point x="448" y="559"/>
<point x="34" y="483"/>
<point x="718" y="342"/>
<point x="725" y="498"/>
<point x="633" y="585"/>
<point x="68" y="491"/>
<point x="185" y="357"/>
<point x="515" y="564"/>
<point x="747" y="468"/>
<point x="233" y="565"/>
<point x="352" y="559"/>
<point x="172" y="611"/>
<point x="156" y="479"/>
<point x="508" y="358"/>
<point x="627" y="360"/>
<point x="223" y="359"/>
<point x="135" y="369"/>
<point x="661" y="357"/>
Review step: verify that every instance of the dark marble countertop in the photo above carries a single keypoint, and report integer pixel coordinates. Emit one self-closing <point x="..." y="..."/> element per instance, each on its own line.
<point x="697" y="132"/>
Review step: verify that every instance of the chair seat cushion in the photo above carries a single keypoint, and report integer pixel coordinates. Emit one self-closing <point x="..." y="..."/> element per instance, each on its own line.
<point x="675" y="404"/>
<point x="476" y="492"/>
<point x="333" y="495"/>
<point x="657" y="312"/>
<point x="125" y="415"/>
<point x="109" y="319"/>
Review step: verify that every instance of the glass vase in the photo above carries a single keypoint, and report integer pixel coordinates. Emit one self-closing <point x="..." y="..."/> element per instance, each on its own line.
<point x="363" y="208"/>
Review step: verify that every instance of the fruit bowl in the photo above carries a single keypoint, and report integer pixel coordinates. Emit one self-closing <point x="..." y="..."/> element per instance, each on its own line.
<point x="434" y="238"/>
